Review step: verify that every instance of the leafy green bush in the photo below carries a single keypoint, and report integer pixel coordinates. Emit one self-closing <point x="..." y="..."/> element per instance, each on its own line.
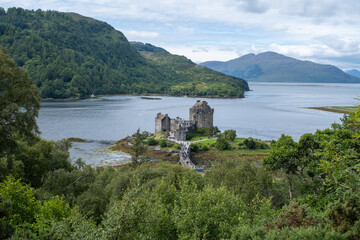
<point x="222" y="144"/>
<point x="198" y="147"/>
<point x="250" y="143"/>
<point x="152" y="142"/>
<point x="163" y="143"/>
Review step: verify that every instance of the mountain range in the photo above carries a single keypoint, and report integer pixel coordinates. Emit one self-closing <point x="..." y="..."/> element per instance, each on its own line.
<point x="68" y="55"/>
<point x="354" y="72"/>
<point x="274" y="67"/>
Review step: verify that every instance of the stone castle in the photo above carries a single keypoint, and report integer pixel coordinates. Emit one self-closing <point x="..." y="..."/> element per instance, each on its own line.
<point x="200" y="115"/>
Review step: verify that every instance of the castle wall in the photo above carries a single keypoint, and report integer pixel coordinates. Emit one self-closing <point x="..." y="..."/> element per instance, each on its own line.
<point x="174" y="123"/>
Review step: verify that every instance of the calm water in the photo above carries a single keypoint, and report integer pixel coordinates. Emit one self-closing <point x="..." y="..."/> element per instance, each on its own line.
<point x="267" y="111"/>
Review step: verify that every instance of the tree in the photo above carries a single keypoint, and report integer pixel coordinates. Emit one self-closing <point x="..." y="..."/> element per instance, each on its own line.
<point x="20" y="103"/>
<point x="230" y="135"/>
<point x="221" y="143"/>
<point x="138" y="148"/>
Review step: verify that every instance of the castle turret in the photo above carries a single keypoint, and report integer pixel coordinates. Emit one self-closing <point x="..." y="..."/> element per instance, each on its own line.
<point x="202" y="114"/>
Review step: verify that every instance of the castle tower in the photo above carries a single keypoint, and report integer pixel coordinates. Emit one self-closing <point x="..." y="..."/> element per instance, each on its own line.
<point x="162" y="123"/>
<point x="202" y="114"/>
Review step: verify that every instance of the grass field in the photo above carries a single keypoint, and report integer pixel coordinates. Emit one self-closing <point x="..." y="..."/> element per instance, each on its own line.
<point x="237" y="151"/>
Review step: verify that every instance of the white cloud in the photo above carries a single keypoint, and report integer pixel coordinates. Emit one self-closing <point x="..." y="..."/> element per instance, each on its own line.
<point x="305" y="51"/>
<point x="132" y="34"/>
<point x="202" y="53"/>
<point x="186" y="30"/>
<point x="341" y="44"/>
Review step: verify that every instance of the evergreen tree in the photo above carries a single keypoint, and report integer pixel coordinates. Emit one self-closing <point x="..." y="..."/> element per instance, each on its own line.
<point x="138" y="149"/>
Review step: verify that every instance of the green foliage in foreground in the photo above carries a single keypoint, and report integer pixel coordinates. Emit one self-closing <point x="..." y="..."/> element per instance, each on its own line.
<point x="170" y="202"/>
<point x="68" y="55"/>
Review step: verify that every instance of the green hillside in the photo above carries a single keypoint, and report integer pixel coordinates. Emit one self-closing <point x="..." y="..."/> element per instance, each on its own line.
<point x="273" y="67"/>
<point x="189" y="78"/>
<point x="68" y="55"/>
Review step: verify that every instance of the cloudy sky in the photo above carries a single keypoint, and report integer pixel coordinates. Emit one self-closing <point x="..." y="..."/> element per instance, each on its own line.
<point x="324" y="31"/>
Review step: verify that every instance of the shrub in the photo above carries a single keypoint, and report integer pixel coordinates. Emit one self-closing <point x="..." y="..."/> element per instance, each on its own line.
<point x="222" y="143"/>
<point x="207" y="132"/>
<point x="250" y="143"/>
<point x="152" y="142"/>
<point x="194" y="147"/>
<point x="163" y="143"/>
<point x="345" y="214"/>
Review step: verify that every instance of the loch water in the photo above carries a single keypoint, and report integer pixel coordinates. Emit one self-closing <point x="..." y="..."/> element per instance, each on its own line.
<point x="267" y="111"/>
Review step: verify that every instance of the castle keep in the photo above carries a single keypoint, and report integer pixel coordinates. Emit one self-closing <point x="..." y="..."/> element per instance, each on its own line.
<point x="200" y="115"/>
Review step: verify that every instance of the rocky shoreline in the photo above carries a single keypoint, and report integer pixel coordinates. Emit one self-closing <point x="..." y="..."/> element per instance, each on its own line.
<point x="124" y="145"/>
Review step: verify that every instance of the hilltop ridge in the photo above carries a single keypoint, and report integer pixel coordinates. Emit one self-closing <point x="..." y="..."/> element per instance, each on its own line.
<point x="274" y="67"/>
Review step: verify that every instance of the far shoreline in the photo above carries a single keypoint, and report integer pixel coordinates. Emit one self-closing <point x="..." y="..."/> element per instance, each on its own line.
<point x="132" y="95"/>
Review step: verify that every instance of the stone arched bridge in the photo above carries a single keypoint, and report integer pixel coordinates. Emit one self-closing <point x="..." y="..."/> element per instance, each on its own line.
<point x="184" y="154"/>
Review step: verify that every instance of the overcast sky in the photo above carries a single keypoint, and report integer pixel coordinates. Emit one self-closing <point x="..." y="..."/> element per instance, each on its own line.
<point x="323" y="31"/>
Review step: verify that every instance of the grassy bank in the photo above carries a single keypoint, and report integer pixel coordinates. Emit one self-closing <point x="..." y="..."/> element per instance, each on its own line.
<point x="335" y="109"/>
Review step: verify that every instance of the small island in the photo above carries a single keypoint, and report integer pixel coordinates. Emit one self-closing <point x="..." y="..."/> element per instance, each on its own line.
<point x="151" y="98"/>
<point x="195" y="143"/>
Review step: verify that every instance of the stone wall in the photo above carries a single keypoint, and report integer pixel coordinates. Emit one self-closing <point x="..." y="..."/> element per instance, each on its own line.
<point x="174" y="123"/>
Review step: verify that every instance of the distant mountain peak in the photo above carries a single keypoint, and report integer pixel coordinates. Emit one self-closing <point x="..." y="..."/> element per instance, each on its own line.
<point x="354" y="72"/>
<point x="274" y="67"/>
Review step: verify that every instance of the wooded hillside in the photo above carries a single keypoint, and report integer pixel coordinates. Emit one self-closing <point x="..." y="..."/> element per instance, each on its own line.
<point x="68" y="55"/>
